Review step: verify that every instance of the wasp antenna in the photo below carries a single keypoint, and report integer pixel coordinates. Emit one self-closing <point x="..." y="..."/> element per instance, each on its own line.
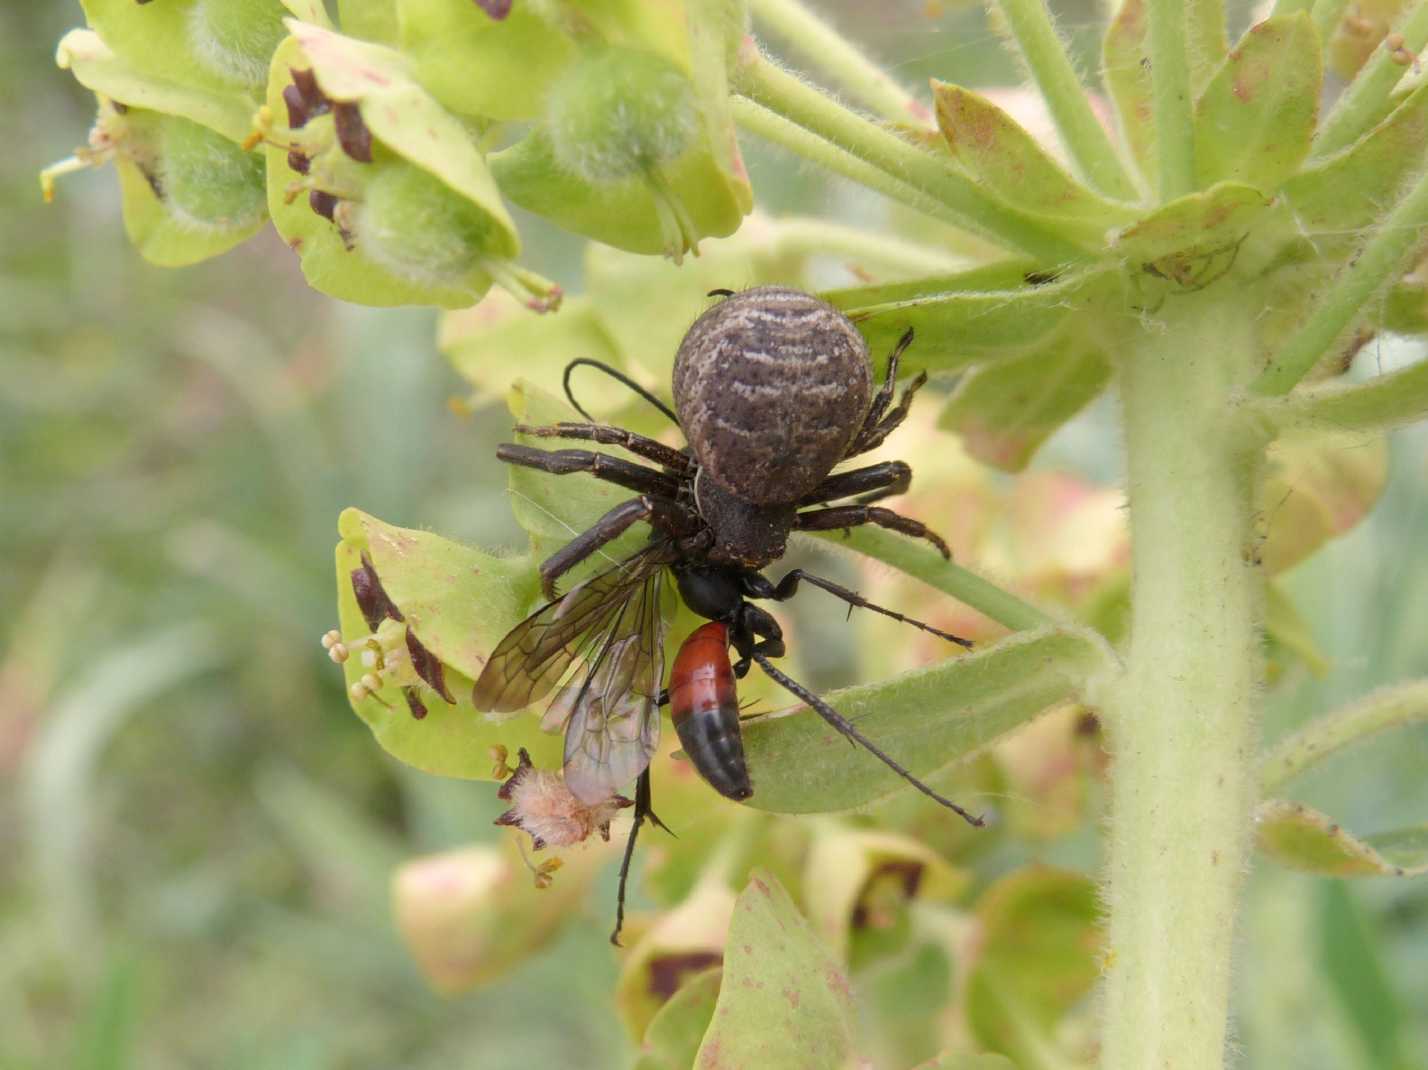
<point x="845" y="726"/>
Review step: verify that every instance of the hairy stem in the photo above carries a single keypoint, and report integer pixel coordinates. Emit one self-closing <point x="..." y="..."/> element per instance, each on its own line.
<point x="1171" y="101"/>
<point x="1390" y="400"/>
<point x="926" y="564"/>
<point x="1366" y="99"/>
<point x="774" y="128"/>
<point x="1375" y="266"/>
<point x="1081" y="132"/>
<point x="865" y="248"/>
<point x="976" y="211"/>
<point x="1182" y="718"/>
<point x="1393" y="707"/>
<point x="824" y="49"/>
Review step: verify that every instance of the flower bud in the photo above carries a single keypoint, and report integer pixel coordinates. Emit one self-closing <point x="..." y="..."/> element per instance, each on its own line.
<point x="235" y="39"/>
<point x="688" y="939"/>
<point x="470" y="916"/>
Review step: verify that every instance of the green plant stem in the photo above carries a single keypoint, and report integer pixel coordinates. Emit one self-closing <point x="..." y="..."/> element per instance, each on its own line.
<point x="757" y="119"/>
<point x="764" y="83"/>
<point x="826" y="50"/>
<point x="1391" y="400"/>
<point x="925" y="564"/>
<point x="1392" y="707"/>
<point x="1171" y="103"/>
<point x="1365" y="100"/>
<point x="1381" y="260"/>
<point x="885" y="252"/>
<point x="1327" y="14"/>
<point x="1081" y="132"/>
<point x="1181" y="719"/>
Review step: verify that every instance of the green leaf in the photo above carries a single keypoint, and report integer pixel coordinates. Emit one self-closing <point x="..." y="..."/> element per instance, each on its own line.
<point x="458" y="602"/>
<point x="957" y="321"/>
<point x="675" y="1032"/>
<point x="219" y="47"/>
<point x="1006" y="409"/>
<point x="1302" y="838"/>
<point x="999" y="153"/>
<point x="371" y="20"/>
<point x="1348" y="191"/>
<point x="1039" y="941"/>
<point x="1351" y="955"/>
<point x="1289" y="633"/>
<point x="783" y="1002"/>
<point x="1126" y="66"/>
<point x="480" y="66"/>
<point x="928" y="720"/>
<point x="1192" y="228"/>
<point x="96" y="66"/>
<point x="1255" y="120"/>
<point x="1318" y="486"/>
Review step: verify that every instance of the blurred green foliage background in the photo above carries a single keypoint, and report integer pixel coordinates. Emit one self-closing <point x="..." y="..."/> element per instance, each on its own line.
<point x="198" y="835"/>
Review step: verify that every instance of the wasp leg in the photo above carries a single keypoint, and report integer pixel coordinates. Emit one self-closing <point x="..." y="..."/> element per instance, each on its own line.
<point x="846" y="727"/>
<point x="635" y="477"/>
<point x="877" y="480"/>
<point x="757" y="586"/>
<point x="643" y="810"/>
<point x="851" y="516"/>
<point x="648" y="448"/>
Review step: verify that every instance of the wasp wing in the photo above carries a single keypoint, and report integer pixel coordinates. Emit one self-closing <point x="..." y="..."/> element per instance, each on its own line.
<point x="536" y="653"/>
<point x="614" y="717"/>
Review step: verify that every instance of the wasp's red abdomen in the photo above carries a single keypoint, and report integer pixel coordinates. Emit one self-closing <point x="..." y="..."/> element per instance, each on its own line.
<point x="704" y="704"/>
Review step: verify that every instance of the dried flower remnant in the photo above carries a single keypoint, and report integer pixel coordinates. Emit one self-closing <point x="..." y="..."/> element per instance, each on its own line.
<point x="497" y="9"/>
<point x="546" y="810"/>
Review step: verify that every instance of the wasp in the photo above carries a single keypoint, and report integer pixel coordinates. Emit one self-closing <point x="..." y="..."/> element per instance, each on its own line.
<point x="772" y="390"/>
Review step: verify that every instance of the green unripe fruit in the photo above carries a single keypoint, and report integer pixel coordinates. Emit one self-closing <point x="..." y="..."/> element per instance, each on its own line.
<point x="620" y="113"/>
<point x="206" y="181"/>
<point x="235" y="39"/>
<point x="418" y="227"/>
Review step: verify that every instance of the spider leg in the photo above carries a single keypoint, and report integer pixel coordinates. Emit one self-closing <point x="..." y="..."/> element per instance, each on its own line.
<point x="648" y="448"/>
<point x="658" y="511"/>
<point x="885" y="392"/>
<point x="848" y="730"/>
<point x="758" y="587"/>
<point x="871" y="438"/>
<point x="881" y="480"/>
<point x="628" y="474"/>
<point x="851" y="516"/>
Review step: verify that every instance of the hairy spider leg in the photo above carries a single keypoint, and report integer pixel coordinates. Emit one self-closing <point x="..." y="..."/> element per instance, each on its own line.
<point x="882" y="480"/>
<point x="852" y="516"/>
<point x="605" y="434"/>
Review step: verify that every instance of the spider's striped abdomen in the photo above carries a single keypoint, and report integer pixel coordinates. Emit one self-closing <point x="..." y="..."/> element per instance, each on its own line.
<point x="771" y="385"/>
